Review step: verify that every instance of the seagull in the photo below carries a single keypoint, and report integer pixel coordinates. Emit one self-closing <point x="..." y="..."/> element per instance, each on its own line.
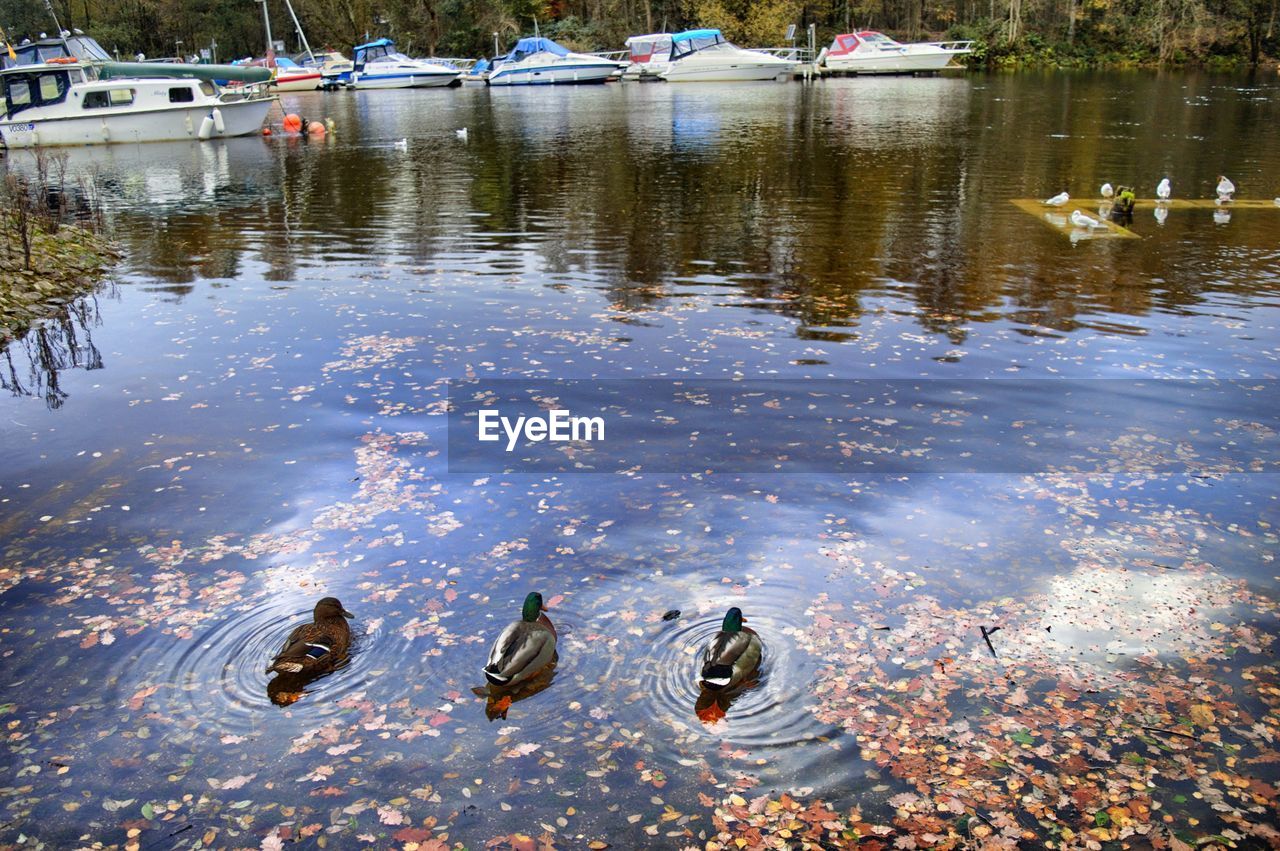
<point x="1107" y="191"/>
<point x="1164" y="190"/>
<point x="1080" y="220"/>
<point x="1058" y="200"/>
<point x="1225" y="189"/>
<point x="402" y="145"/>
<point x="462" y="134"/>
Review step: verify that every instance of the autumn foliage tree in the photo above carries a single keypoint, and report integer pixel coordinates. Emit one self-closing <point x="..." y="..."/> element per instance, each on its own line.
<point x="1062" y="32"/>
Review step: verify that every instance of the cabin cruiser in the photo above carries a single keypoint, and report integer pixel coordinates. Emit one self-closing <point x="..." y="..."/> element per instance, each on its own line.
<point x="870" y="52"/>
<point x="650" y="55"/>
<point x="292" y="77"/>
<point x="68" y="91"/>
<point x="335" y="69"/>
<point x="704" y="55"/>
<point x="378" y="65"/>
<point x="540" y="61"/>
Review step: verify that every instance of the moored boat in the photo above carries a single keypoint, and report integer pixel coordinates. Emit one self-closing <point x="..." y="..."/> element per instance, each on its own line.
<point x="292" y="77"/>
<point x="71" y="101"/>
<point x="705" y="56"/>
<point x="649" y="56"/>
<point x="540" y="61"/>
<point x="870" y="52"/>
<point x="378" y="65"/>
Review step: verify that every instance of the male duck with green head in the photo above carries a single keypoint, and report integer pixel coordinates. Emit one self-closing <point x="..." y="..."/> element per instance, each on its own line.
<point x="524" y="648"/>
<point x="732" y="656"/>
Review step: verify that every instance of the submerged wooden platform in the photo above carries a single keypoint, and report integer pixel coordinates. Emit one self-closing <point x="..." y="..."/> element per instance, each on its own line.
<point x="1059" y="218"/>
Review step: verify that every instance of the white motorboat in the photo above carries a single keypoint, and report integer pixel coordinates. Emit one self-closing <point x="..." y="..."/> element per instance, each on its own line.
<point x="650" y="55"/>
<point x="705" y="56"/>
<point x="335" y="69"/>
<point x="870" y="52"/>
<point x="540" y="61"/>
<point x="378" y="65"/>
<point x="63" y="98"/>
<point x="292" y="77"/>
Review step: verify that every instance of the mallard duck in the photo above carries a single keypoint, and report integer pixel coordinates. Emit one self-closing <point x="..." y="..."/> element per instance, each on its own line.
<point x="317" y="647"/>
<point x="524" y="648"/>
<point x="732" y="656"/>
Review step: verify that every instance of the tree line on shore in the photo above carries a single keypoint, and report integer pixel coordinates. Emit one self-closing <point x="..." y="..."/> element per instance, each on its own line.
<point x="1070" y="33"/>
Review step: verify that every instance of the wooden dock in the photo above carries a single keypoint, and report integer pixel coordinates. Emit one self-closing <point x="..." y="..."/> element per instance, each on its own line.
<point x="1059" y="218"/>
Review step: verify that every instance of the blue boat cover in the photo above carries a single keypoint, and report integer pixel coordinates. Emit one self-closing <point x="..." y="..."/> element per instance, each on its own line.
<point x="689" y="35"/>
<point x="480" y="66"/>
<point x="529" y="46"/>
<point x="382" y="42"/>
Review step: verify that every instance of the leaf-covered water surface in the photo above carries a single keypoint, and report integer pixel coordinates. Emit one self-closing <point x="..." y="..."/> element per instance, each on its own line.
<point x="1080" y="654"/>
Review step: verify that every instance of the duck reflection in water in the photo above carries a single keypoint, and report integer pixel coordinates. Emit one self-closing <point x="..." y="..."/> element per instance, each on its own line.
<point x="522" y="659"/>
<point x="499" y="699"/>
<point x="311" y="651"/>
<point x="730" y="666"/>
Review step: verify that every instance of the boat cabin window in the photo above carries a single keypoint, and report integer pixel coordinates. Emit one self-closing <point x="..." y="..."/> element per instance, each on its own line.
<point x="182" y="94"/>
<point x="877" y="38"/>
<point x="108" y="97"/>
<point x="686" y="46"/>
<point x="36" y="89"/>
<point x="208" y="88"/>
<point x="848" y="42"/>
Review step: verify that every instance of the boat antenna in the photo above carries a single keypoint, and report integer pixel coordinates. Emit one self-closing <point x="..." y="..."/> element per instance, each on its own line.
<point x="536" y="34"/>
<point x="301" y="34"/>
<point x="57" y="26"/>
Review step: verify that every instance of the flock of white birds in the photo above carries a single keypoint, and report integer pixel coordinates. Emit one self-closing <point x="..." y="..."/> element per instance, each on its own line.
<point x="1226" y="191"/>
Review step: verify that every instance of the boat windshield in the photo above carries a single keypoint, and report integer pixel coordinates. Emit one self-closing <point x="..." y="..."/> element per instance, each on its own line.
<point x="877" y="39"/>
<point x="687" y="43"/>
<point x="844" y="44"/>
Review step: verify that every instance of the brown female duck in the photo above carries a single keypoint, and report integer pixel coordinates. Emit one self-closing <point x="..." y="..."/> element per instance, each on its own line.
<point x="318" y="647"/>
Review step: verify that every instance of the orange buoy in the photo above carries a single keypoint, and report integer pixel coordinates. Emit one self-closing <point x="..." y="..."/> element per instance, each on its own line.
<point x="292" y="123"/>
<point x="266" y="131"/>
<point x="316" y="128"/>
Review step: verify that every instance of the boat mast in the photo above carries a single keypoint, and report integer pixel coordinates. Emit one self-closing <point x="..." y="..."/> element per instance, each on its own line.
<point x="301" y="34"/>
<point x="266" y="22"/>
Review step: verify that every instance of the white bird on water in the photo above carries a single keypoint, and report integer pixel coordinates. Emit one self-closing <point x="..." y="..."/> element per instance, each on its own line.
<point x="1161" y="213"/>
<point x="1058" y="200"/>
<point x="1225" y="189"/>
<point x="462" y="134"/>
<point x="1164" y="190"/>
<point x="1080" y="220"/>
<point x="402" y="145"/>
<point x="1107" y="191"/>
<point x="1222" y="216"/>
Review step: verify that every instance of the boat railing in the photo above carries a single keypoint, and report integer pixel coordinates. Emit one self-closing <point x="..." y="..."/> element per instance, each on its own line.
<point x="953" y="46"/>
<point x="803" y="55"/>
<point x="450" y="61"/>
<point x="613" y="55"/>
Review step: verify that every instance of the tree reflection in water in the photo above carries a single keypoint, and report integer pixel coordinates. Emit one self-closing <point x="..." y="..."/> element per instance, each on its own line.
<point x="31" y="365"/>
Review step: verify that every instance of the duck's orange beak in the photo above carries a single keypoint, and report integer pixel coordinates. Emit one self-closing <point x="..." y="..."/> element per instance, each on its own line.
<point x="544" y="608"/>
<point x="744" y="620"/>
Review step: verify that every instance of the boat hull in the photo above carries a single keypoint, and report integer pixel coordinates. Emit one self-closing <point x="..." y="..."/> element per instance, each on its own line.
<point x="894" y="63"/>
<point x="410" y="80"/>
<point x="551" y="74"/>
<point x="726" y="72"/>
<point x="297" y="82"/>
<point x="240" y="118"/>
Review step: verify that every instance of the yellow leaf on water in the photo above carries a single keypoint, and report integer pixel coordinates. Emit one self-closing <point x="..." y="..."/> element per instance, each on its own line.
<point x="1202" y="714"/>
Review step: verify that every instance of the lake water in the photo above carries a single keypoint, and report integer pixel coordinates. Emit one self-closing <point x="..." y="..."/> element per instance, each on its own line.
<point x="1047" y="639"/>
